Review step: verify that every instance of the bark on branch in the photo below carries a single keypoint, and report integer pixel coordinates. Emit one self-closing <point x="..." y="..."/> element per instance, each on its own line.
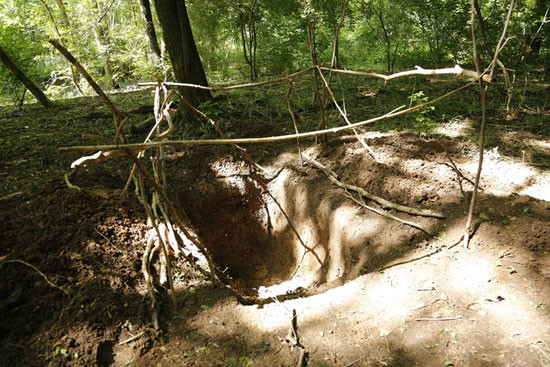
<point x="333" y="177"/>
<point x="271" y="139"/>
<point x="116" y="114"/>
<point x="457" y="70"/>
<point x="23" y="78"/>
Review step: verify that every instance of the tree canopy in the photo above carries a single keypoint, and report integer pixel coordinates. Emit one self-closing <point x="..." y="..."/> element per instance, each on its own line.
<point x="250" y="39"/>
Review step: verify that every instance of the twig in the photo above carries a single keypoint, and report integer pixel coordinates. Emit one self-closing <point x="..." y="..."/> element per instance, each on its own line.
<point x="290" y="84"/>
<point x="333" y="177"/>
<point x="12" y="195"/>
<point x="387" y="215"/>
<point x="272" y="139"/>
<point x="68" y="182"/>
<point x="357" y="360"/>
<point x="459" y="174"/>
<point x="129" y="340"/>
<point x="437" y="250"/>
<point x="345" y="117"/>
<point x="439" y="318"/>
<point x="428" y="304"/>
<point x="40" y="273"/>
<point x="149" y="283"/>
<point x="107" y="239"/>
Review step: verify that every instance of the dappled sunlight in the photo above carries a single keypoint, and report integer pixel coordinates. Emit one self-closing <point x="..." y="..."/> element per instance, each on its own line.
<point x="471" y="273"/>
<point x="457" y="127"/>
<point x="504" y="177"/>
<point x="377" y="310"/>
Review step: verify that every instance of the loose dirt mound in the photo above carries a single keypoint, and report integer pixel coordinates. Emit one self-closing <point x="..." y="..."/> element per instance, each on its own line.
<point x="89" y="245"/>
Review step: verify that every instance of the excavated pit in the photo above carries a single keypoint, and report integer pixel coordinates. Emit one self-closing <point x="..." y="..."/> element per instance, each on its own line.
<point x="299" y="231"/>
<point x="233" y="220"/>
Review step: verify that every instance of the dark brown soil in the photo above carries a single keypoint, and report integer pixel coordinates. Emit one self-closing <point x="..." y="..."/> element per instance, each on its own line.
<point x="367" y="291"/>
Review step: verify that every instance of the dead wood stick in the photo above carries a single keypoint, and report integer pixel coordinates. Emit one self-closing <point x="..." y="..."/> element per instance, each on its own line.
<point x="39" y="273"/>
<point x="388" y="215"/>
<point x="291" y="111"/>
<point x="220" y="132"/>
<point x="428" y="304"/>
<point x="271" y="139"/>
<point x="459" y="173"/>
<point x="12" y="195"/>
<point x="294" y="338"/>
<point x="116" y="114"/>
<point x="457" y="70"/>
<point x="333" y="177"/>
<point x="437" y="250"/>
<point x="345" y="117"/>
<point x="149" y="282"/>
<point x="439" y="318"/>
<point x="129" y="340"/>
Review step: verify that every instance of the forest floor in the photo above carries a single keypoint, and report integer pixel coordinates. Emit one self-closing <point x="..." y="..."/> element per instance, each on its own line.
<point x="369" y="291"/>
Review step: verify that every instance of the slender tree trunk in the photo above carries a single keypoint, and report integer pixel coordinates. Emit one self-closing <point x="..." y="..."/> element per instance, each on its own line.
<point x="104" y="55"/>
<point x="335" y="63"/>
<point x="63" y="11"/>
<point x="181" y="47"/>
<point x="66" y="24"/>
<point x="249" y="39"/>
<point x="386" y="39"/>
<point x="19" y="74"/>
<point x="145" y="7"/>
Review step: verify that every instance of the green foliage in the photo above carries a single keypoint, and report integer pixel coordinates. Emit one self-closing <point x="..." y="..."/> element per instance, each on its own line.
<point x="22" y="40"/>
<point x="107" y="36"/>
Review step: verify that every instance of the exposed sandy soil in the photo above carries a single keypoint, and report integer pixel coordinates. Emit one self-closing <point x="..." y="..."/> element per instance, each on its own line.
<point x="367" y="291"/>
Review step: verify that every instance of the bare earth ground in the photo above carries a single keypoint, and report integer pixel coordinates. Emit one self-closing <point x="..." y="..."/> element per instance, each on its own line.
<point x="367" y="291"/>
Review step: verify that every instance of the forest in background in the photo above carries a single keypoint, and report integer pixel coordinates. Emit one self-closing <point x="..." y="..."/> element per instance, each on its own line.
<point x="242" y="40"/>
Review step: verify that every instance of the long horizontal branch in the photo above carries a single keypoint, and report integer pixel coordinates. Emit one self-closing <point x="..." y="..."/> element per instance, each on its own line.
<point x="457" y="70"/>
<point x="269" y="139"/>
<point x="230" y="87"/>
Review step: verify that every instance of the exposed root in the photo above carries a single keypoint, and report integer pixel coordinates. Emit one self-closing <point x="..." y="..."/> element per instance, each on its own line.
<point x="149" y="282"/>
<point x="39" y="273"/>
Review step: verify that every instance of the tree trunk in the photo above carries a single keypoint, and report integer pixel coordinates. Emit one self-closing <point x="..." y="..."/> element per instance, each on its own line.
<point x="249" y="38"/>
<point x="535" y="39"/>
<point x="181" y="47"/>
<point x="40" y="96"/>
<point x="104" y="55"/>
<point x="386" y="39"/>
<point x="145" y="7"/>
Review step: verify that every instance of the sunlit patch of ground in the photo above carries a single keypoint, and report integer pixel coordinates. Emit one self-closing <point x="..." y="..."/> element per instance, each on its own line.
<point x="427" y="303"/>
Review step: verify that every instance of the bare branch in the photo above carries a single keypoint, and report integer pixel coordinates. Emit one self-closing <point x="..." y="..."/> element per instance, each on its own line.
<point x="140" y="146"/>
<point x="457" y="70"/>
<point x="333" y="177"/>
